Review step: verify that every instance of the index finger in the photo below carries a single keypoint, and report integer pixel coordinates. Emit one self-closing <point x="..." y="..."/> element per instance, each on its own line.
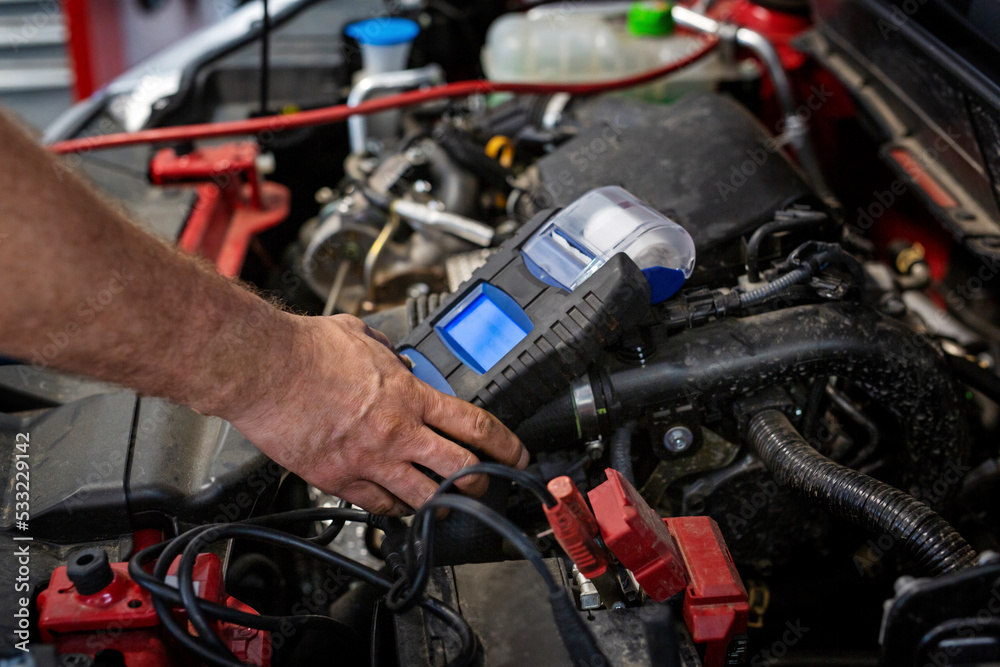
<point x="474" y="426"/>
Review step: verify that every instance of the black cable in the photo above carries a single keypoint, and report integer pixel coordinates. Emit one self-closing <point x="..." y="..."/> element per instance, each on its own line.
<point x="164" y="595"/>
<point x="172" y="595"/>
<point x="523" y="479"/>
<point x="337" y="515"/>
<point x="265" y="58"/>
<point x="200" y="646"/>
<point x="192" y="541"/>
<point x="784" y="221"/>
<point x="765" y="292"/>
<point x="185" y="570"/>
<point x="574" y="633"/>
<point x="404" y="593"/>
<point x="222" y="612"/>
<point x="311" y="514"/>
<point x="466" y="637"/>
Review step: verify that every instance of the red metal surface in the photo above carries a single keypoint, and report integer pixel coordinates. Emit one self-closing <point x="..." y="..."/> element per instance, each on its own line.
<point x="122" y="618"/>
<point x="634" y="533"/>
<point x="575" y="528"/>
<point x="233" y="203"/>
<point x="715" y="603"/>
<point x="94" y="43"/>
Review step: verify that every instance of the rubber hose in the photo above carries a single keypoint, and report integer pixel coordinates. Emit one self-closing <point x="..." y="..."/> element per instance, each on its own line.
<point x="857" y="498"/>
<point x="550" y="427"/>
<point x="621" y="451"/>
<point x="901" y="371"/>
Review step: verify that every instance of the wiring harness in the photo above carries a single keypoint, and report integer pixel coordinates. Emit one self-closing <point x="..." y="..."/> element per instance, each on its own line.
<point x="410" y="566"/>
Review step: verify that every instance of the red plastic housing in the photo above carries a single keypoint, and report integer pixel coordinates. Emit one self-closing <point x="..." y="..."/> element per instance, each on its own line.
<point x="233" y="203"/>
<point x="670" y="555"/>
<point x="715" y="603"/>
<point x="122" y="618"/>
<point x="635" y="533"/>
<point x="575" y="528"/>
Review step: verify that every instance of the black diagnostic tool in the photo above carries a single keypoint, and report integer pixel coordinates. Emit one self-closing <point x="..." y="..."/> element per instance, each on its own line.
<point x="534" y="316"/>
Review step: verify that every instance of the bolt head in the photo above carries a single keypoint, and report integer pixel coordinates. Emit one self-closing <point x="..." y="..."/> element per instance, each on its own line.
<point x="678" y="439"/>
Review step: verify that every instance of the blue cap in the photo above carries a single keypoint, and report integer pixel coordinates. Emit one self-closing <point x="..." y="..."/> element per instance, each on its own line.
<point x="383" y="31"/>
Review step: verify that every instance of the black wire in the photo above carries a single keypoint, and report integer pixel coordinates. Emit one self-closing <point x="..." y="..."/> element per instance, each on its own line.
<point x="784" y="221"/>
<point x="575" y="635"/>
<point x="192" y="541"/>
<point x="222" y="612"/>
<point x="185" y="571"/>
<point x="340" y="514"/>
<point x="265" y="58"/>
<point x="406" y="592"/>
<point x="333" y="530"/>
<point x="525" y="480"/>
<point x="466" y="637"/>
<point x="200" y="646"/>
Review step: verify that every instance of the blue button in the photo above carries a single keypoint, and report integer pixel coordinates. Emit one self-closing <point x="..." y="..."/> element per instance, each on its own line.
<point x="384" y="31"/>
<point x="426" y="371"/>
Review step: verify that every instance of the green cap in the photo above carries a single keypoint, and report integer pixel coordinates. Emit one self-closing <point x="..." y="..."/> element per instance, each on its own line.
<point x="650" y="19"/>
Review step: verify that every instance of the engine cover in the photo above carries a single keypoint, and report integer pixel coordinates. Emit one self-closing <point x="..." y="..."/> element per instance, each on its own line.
<point x="704" y="161"/>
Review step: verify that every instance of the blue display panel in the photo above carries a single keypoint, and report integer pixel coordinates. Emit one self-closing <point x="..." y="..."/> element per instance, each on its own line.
<point x="483" y="327"/>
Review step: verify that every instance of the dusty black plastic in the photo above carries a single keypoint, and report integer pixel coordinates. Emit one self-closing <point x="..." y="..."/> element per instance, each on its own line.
<point x="569" y="329"/>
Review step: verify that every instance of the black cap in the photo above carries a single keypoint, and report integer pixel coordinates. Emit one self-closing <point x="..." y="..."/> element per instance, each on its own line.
<point x="90" y="571"/>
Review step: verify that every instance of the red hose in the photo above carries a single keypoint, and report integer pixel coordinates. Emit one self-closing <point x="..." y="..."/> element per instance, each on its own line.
<point x="340" y="112"/>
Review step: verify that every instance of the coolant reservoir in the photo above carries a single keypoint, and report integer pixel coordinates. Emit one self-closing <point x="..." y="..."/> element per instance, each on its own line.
<point x="575" y="45"/>
<point x="579" y="239"/>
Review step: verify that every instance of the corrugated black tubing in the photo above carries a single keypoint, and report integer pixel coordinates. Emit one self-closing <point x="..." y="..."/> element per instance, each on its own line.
<point x="855" y="497"/>
<point x="621" y="451"/>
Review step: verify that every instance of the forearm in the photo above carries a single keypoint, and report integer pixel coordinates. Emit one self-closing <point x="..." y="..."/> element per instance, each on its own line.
<point x="85" y="291"/>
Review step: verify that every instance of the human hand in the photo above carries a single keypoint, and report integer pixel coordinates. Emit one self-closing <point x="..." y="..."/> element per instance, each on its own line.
<point x="346" y="415"/>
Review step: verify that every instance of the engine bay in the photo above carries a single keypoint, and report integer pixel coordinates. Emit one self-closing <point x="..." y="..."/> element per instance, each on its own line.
<point x="765" y="435"/>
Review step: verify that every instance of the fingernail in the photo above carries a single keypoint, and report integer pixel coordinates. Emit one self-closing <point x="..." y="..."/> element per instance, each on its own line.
<point x="522" y="463"/>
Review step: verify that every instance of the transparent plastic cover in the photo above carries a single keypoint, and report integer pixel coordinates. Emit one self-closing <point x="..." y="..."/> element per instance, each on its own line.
<point x="578" y="240"/>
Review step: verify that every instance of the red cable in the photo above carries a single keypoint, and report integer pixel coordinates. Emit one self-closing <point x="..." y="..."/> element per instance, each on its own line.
<point x="340" y="112"/>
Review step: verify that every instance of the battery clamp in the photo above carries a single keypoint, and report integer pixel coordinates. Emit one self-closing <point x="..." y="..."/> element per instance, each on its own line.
<point x="537" y="313"/>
